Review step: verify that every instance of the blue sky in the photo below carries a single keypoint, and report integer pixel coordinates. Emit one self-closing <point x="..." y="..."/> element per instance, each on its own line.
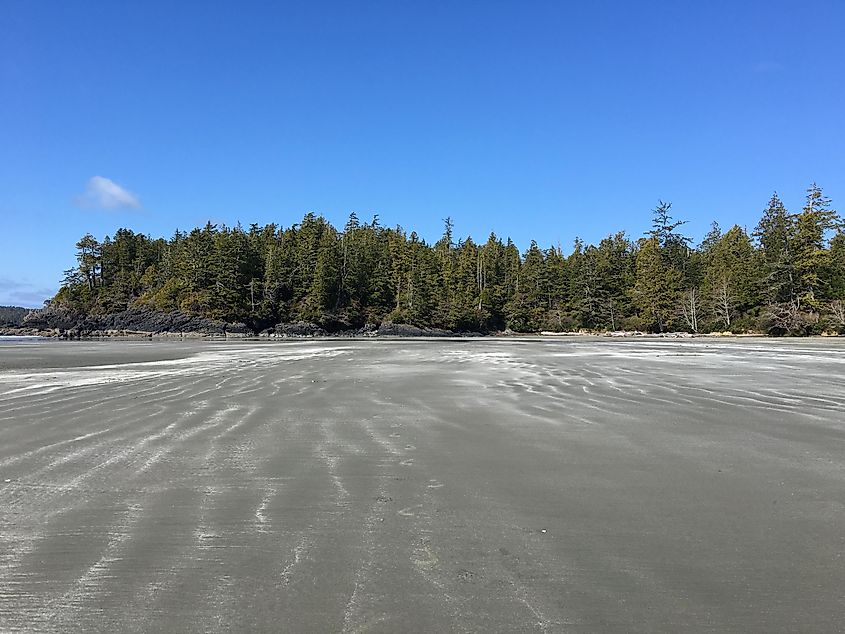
<point x="545" y="120"/>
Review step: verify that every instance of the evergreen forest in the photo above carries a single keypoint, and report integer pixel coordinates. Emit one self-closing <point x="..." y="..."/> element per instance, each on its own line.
<point x="787" y="276"/>
<point x="12" y="315"/>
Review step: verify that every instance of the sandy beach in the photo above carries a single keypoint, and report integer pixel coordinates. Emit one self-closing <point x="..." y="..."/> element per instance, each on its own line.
<point x="487" y="485"/>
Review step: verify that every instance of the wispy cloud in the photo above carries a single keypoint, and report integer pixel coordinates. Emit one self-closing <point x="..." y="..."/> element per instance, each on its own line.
<point x="20" y="293"/>
<point x="104" y="193"/>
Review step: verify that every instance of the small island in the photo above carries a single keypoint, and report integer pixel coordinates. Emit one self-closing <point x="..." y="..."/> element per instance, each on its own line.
<point x="786" y="277"/>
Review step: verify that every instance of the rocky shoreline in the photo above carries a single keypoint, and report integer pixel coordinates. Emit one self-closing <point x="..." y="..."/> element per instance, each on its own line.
<point x="133" y="322"/>
<point x="149" y="323"/>
<point x="143" y="322"/>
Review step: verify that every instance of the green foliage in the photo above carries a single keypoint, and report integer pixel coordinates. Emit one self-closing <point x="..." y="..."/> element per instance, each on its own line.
<point x="729" y="279"/>
<point x="791" y="281"/>
<point x="657" y="290"/>
<point x="776" y="233"/>
<point x="12" y="315"/>
<point x="811" y="255"/>
<point x="836" y="273"/>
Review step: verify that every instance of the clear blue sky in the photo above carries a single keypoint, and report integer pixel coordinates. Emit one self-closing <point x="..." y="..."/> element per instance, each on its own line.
<point x="545" y="120"/>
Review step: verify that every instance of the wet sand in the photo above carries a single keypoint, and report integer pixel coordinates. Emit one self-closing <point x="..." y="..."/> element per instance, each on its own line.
<point x="454" y="485"/>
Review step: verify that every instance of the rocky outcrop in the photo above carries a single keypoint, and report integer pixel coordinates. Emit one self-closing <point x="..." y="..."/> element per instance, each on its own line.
<point x="389" y="329"/>
<point x="385" y="329"/>
<point x="297" y="329"/>
<point x="72" y="324"/>
<point x="141" y="321"/>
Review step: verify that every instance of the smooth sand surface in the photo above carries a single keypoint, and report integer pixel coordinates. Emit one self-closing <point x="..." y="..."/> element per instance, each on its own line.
<point x="406" y="486"/>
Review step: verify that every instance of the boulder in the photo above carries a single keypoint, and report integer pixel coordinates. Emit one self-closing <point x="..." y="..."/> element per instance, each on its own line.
<point x="299" y="329"/>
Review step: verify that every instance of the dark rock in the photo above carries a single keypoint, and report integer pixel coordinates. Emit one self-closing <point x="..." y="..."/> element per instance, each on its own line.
<point x="299" y="329"/>
<point x="14" y="331"/>
<point x="72" y="324"/>
<point x="142" y="321"/>
<point x="338" y="324"/>
<point x="389" y="329"/>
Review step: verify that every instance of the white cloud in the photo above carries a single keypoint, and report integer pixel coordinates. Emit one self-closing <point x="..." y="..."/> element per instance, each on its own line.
<point x="104" y="193"/>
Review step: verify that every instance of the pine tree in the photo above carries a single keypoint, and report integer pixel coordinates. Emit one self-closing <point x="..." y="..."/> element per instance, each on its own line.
<point x="465" y="313"/>
<point x="89" y="258"/>
<point x="584" y="285"/>
<point x="524" y="311"/>
<point x="837" y="265"/>
<point x="775" y="233"/>
<point x="810" y="246"/>
<point x="494" y="293"/>
<point x="657" y="288"/>
<point x="674" y="246"/>
<point x="326" y="285"/>
<point x="445" y="250"/>
<point x="557" y="288"/>
<point x="615" y="270"/>
<point x="401" y="258"/>
<point x="730" y="276"/>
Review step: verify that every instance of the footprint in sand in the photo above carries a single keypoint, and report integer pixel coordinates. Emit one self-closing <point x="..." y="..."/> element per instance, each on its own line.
<point x="466" y="576"/>
<point x="423" y="557"/>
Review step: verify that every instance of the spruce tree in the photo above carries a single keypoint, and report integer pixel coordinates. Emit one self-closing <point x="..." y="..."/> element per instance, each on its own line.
<point x="657" y="289"/>
<point x="775" y="233"/>
<point x="811" y="256"/>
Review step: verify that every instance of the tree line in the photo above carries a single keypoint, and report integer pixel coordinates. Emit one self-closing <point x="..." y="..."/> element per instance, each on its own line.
<point x="786" y="277"/>
<point x="12" y="315"/>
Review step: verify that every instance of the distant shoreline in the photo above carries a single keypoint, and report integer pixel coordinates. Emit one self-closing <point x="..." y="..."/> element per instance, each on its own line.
<point x="21" y="334"/>
<point x="146" y="323"/>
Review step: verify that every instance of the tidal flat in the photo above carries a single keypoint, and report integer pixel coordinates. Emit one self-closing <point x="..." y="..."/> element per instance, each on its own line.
<point x="481" y="485"/>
